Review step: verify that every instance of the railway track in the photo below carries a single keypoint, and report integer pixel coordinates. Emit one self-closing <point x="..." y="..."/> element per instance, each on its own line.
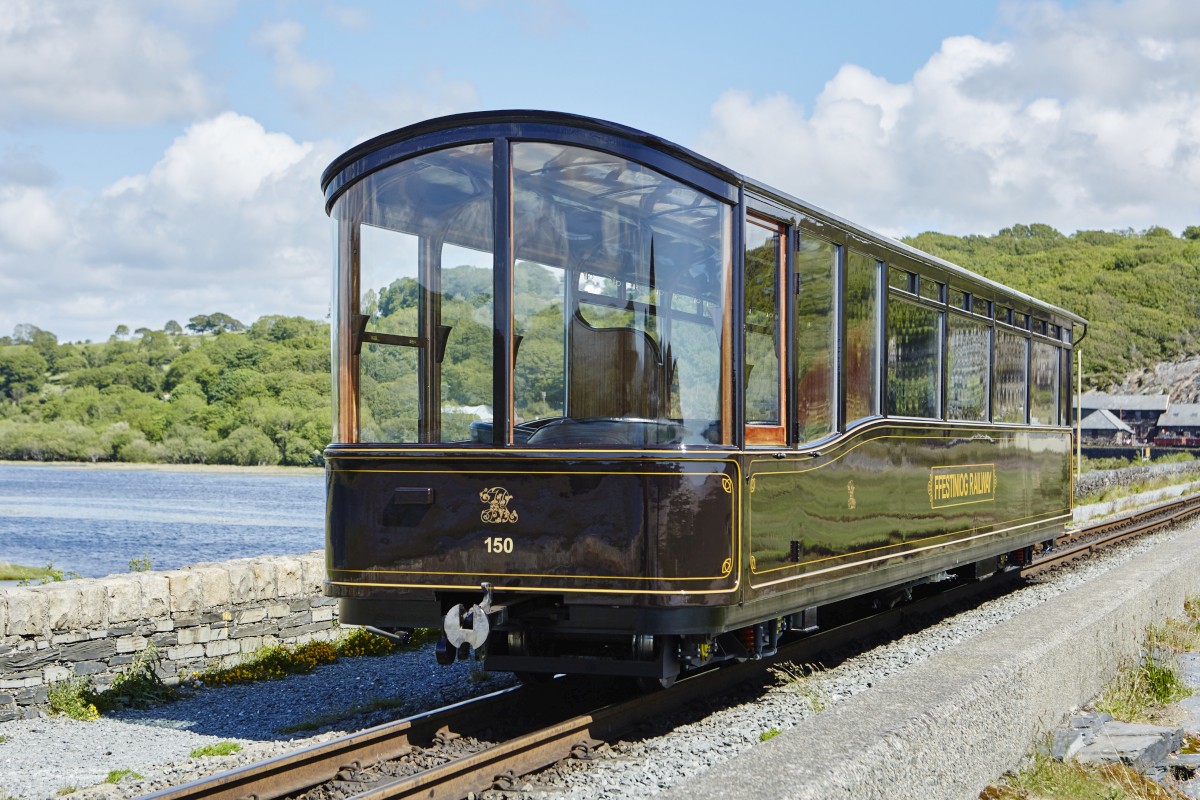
<point x="584" y="713"/>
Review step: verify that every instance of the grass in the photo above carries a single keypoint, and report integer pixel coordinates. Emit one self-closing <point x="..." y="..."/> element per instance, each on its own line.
<point x="118" y="775"/>
<point x="800" y="679"/>
<point x="315" y="723"/>
<point x="27" y="576"/>
<point x="218" y="749"/>
<point x="1142" y="692"/>
<point x="1047" y="779"/>
<point x="767" y="736"/>
<point x="138" y="685"/>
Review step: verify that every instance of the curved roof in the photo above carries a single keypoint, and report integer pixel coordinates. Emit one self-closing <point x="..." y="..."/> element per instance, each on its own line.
<point x="442" y="128"/>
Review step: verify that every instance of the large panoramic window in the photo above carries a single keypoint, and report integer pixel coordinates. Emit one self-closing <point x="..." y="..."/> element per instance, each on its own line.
<point x="968" y="368"/>
<point x="620" y="303"/>
<point x="1008" y="398"/>
<point x="913" y="359"/>
<point x="1043" y="385"/>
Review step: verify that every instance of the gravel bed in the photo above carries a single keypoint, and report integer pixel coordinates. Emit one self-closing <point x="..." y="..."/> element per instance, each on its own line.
<point x="39" y="758"/>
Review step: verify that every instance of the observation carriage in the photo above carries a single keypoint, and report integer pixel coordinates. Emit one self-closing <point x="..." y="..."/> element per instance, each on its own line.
<point x="605" y="406"/>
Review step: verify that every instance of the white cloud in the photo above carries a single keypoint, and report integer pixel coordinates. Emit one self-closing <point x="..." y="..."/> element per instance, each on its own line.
<point x="230" y="219"/>
<point x="293" y="72"/>
<point x="93" y="62"/>
<point x="1084" y="118"/>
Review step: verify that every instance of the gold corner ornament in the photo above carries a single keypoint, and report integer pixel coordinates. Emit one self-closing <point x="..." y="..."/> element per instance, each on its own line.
<point x="727" y="484"/>
<point x="497" y="511"/>
<point x="726" y="567"/>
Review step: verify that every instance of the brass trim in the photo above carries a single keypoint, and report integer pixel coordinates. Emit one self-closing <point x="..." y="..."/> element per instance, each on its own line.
<point x="547" y="589"/>
<point x="726" y="485"/>
<point x="893" y="555"/>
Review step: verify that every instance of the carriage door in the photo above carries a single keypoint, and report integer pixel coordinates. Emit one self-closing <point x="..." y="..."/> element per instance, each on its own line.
<point x="764" y="356"/>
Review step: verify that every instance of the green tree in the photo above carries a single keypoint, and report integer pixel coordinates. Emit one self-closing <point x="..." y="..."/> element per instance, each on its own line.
<point x="247" y="446"/>
<point x="22" y="372"/>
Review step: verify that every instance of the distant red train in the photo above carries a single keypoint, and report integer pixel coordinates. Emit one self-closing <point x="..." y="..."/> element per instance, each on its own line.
<point x="605" y="406"/>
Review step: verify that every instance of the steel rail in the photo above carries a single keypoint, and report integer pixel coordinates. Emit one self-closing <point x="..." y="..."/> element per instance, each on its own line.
<point x="499" y="766"/>
<point x="310" y="766"/>
<point x="1086" y="541"/>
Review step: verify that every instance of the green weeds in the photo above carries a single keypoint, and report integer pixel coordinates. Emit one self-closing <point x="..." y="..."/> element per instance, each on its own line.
<point x="137" y="686"/>
<point x="118" y="775"/>
<point x="801" y="680"/>
<point x="74" y="698"/>
<point x="1141" y="692"/>
<point x="1057" y="780"/>
<point x="277" y="662"/>
<point x="218" y="749"/>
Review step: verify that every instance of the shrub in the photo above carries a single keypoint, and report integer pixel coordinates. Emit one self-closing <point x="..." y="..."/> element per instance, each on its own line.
<point x="272" y="663"/>
<point x="74" y="698"/>
<point x="138" y="685"/>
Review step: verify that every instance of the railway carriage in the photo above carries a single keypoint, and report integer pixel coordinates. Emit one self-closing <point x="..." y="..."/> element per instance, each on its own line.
<point x="605" y="406"/>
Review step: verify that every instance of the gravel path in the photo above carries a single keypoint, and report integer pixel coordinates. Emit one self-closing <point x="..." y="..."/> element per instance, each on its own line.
<point x="39" y="758"/>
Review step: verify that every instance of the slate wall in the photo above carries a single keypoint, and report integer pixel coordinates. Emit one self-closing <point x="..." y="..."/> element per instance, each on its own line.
<point x="196" y="617"/>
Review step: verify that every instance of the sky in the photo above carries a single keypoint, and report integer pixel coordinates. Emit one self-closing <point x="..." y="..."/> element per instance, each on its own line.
<point x="160" y="159"/>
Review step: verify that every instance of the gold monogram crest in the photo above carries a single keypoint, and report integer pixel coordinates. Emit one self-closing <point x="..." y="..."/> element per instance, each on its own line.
<point x="851" y="503"/>
<point x="497" y="510"/>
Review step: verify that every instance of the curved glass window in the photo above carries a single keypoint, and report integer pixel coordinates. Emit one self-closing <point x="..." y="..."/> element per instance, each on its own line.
<point x="620" y="303"/>
<point x="416" y="286"/>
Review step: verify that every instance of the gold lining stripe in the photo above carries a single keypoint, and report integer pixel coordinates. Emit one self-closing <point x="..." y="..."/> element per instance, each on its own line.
<point x="1047" y="516"/>
<point x="556" y="590"/>
<point x="735" y="549"/>
<point x="885" y="557"/>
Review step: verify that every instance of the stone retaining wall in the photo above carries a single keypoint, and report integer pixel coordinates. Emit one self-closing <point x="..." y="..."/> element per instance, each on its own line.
<point x="1104" y="479"/>
<point x="195" y="617"/>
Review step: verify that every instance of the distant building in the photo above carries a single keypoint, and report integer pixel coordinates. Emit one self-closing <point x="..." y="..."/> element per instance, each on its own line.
<point x="1102" y="428"/>
<point x="1179" y="426"/>
<point x="1141" y="412"/>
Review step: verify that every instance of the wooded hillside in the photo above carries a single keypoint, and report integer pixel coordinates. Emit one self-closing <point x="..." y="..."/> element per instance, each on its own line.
<point x="261" y="395"/>
<point x="1140" y="291"/>
<point x="225" y="396"/>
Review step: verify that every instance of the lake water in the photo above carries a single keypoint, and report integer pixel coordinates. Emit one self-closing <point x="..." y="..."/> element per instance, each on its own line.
<point x="93" y="521"/>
